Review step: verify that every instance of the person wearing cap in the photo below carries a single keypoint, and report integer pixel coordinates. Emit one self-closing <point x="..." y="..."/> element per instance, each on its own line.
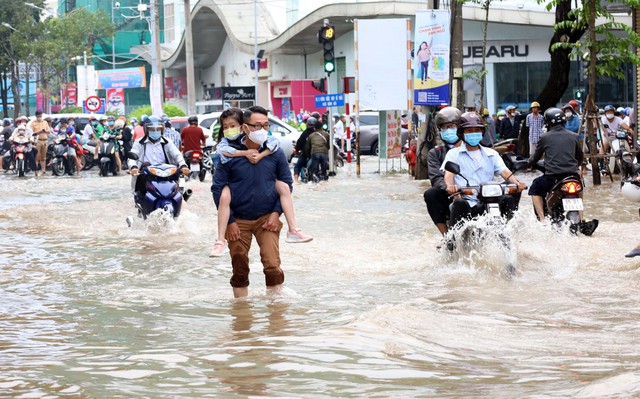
<point x="510" y="126"/>
<point x="41" y="130"/>
<point x="534" y="122"/>
<point x="338" y="130"/>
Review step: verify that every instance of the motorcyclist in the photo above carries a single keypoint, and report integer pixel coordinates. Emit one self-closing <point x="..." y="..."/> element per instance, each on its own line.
<point x="478" y="165"/>
<point x="5" y="135"/>
<point x="192" y="136"/>
<point x="436" y="197"/>
<point x="69" y="133"/>
<point x="303" y="156"/>
<point x="611" y="124"/>
<point x="109" y="127"/>
<point x="22" y="132"/>
<point x="153" y="149"/>
<point x="318" y="146"/>
<point x="563" y="155"/>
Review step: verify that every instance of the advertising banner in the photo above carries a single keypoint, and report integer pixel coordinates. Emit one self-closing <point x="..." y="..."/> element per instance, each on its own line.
<point x="68" y="95"/>
<point x="124" y="78"/>
<point x="431" y="57"/>
<point x="382" y="84"/>
<point x="175" y="87"/>
<point x="115" y="101"/>
<point x="39" y="99"/>
<point x="390" y="134"/>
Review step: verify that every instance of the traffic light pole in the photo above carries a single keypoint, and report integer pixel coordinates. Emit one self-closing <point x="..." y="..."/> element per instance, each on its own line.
<point x="332" y="166"/>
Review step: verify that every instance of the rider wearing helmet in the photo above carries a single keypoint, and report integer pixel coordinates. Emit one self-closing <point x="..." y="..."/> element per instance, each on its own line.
<point x="573" y="120"/>
<point x="303" y="156"/>
<point x="154" y="149"/>
<point x="193" y="138"/>
<point x="612" y="124"/>
<point x="478" y="164"/>
<point x="317" y="146"/>
<point x="563" y="155"/>
<point x="437" y="198"/>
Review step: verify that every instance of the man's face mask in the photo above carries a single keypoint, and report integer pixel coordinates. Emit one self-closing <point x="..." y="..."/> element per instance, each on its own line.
<point x="473" y="139"/>
<point x="610" y="115"/>
<point x="449" y="136"/>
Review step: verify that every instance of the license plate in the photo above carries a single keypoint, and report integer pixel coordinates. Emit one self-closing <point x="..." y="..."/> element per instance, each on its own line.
<point x="572" y="204"/>
<point x="195" y="167"/>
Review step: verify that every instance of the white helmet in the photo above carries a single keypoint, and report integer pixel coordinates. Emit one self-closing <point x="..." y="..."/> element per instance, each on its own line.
<point x="630" y="191"/>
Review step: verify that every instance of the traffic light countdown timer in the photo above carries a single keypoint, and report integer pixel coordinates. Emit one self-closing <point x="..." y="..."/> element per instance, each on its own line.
<point x="326" y="36"/>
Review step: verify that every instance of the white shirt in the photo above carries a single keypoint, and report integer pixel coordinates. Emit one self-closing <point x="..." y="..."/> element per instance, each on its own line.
<point x="614" y="124"/>
<point x="153" y="153"/>
<point x="338" y="130"/>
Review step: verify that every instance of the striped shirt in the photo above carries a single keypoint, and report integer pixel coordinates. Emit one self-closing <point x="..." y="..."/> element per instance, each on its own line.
<point x="535" y="124"/>
<point x="174" y="136"/>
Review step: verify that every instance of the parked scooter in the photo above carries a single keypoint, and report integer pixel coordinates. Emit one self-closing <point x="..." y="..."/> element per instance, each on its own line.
<point x="106" y="154"/>
<point x="467" y="237"/>
<point x="62" y="163"/>
<point x="164" y="189"/>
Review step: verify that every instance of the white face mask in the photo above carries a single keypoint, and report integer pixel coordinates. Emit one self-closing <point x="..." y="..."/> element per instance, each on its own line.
<point x="569" y="115"/>
<point x="258" y="136"/>
<point x="610" y="116"/>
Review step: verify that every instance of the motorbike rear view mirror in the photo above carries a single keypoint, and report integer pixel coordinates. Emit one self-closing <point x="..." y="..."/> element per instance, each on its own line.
<point x="132" y="155"/>
<point x="452" y="167"/>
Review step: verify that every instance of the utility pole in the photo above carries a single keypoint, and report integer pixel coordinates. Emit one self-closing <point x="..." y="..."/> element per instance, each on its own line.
<point x="592" y="110"/>
<point x="255" y="47"/>
<point x="188" y="43"/>
<point x="156" y="61"/>
<point x="457" y="97"/>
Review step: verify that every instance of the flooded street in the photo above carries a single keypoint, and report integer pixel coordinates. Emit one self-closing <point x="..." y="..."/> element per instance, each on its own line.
<point x="93" y="309"/>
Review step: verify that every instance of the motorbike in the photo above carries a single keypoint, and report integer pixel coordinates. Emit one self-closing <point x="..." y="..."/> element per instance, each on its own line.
<point x="489" y="228"/>
<point x="164" y="189"/>
<point x="507" y="150"/>
<point x="563" y="203"/>
<point x="20" y="150"/>
<point x="195" y="161"/>
<point x="618" y="147"/>
<point x="106" y="154"/>
<point x="89" y="149"/>
<point x="62" y="163"/>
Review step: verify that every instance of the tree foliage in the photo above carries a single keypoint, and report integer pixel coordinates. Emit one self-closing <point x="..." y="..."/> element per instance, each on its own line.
<point x="615" y="40"/>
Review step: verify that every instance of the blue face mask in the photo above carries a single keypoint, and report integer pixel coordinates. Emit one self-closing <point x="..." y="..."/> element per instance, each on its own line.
<point x="449" y="136"/>
<point x="154" y="136"/>
<point x="473" y="139"/>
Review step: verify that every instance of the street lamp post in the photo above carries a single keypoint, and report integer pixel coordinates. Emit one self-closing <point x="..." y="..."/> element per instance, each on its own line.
<point x="113" y="38"/>
<point x="255" y="46"/>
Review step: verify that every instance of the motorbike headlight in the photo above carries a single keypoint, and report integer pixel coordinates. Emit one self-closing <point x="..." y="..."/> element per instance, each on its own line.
<point x="491" y="190"/>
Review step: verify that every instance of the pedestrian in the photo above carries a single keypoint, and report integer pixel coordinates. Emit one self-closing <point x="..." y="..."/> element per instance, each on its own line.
<point x="534" y="122"/>
<point x="415" y="121"/>
<point x="248" y="181"/>
<point x="510" y="125"/>
<point x="338" y="130"/>
<point x="489" y="137"/>
<point x="41" y="130"/>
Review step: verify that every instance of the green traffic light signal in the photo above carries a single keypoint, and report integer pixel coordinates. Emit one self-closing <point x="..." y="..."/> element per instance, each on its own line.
<point x="329" y="66"/>
<point x="578" y="94"/>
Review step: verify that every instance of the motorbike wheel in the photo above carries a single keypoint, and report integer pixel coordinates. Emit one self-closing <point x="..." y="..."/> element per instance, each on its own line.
<point x="58" y="168"/>
<point x="104" y="169"/>
<point x="20" y="167"/>
<point x="202" y="174"/>
<point x="339" y="162"/>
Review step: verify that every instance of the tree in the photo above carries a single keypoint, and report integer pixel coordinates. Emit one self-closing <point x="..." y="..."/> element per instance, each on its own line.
<point x="607" y="53"/>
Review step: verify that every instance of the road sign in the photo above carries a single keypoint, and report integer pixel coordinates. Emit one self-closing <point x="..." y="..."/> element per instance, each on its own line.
<point x="93" y="104"/>
<point x="329" y="100"/>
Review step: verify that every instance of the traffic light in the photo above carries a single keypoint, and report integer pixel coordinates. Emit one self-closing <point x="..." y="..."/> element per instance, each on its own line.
<point x="320" y="85"/>
<point x="578" y="94"/>
<point x="325" y="120"/>
<point x="326" y="36"/>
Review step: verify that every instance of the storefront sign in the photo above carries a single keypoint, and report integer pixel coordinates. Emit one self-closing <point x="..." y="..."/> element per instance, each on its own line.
<point x="390" y="134"/>
<point x="238" y="93"/>
<point x="506" y="51"/>
<point x="282" y="91"/>
<point x="329" y="100"/>
<point x="431" y="57"/>
<point x="122" y="78"/>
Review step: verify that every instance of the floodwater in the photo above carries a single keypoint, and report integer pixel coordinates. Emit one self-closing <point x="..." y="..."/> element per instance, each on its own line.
<point x="93" y="309"/>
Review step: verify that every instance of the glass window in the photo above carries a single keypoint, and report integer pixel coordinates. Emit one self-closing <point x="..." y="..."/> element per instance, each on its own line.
<point x="367" y="120"/>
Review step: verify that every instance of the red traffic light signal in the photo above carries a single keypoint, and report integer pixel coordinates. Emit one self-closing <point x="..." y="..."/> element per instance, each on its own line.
<point x="320" y="85"/>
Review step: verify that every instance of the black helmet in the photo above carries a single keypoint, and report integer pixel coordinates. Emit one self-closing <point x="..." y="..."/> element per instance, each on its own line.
<point x="316" y="115"/>
<point x="311" y="122"/>
<point x="63" y="120"/>
<point x="554" y="116"/>
<point x="318" y="125"/>
<point x="193" y="120"/>
<point x="447" y="115"/>
<point x="167" y="123"/>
